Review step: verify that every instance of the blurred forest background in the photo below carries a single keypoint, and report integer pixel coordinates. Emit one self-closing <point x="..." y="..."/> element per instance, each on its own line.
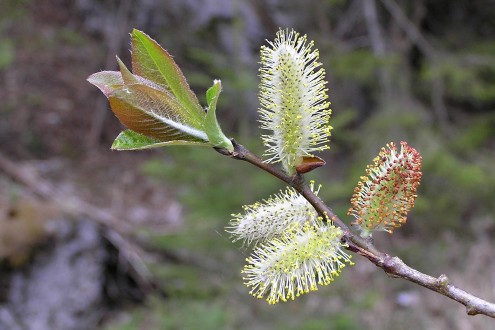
<point x="91" y="238"/>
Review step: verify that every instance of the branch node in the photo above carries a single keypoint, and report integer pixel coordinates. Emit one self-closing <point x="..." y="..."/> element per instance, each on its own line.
<point x="390" y="265"/>
<point x="297" y="179"/>
<point x="224" y="151"/>
<point x="471" y="310"/>
<point x="238" y="153"/>
<point x="442" y="282"/>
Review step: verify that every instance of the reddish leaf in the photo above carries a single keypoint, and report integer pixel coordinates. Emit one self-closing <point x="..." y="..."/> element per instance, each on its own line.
<point x="155" y="114"/>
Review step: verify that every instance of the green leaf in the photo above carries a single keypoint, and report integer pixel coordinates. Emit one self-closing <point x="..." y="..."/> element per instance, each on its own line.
<point x="130" y="140"/>
<point x="127" y="76"/>
<point x="155" y="114"/>
<point x="151" y="61"/>
<point x="212" y="128"/>
<point x="131" y="79"/>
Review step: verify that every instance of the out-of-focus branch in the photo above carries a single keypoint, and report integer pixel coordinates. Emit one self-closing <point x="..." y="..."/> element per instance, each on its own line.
<point x="393" y="266"/>
<point x="415" y="36"/>
<point x="377" y="44"/>
<point x="47" y="191"/>
<point x="351" y="16"/>
<point x="376" y="37"/>
<point x="117" y="232"/>
<point x="409" y="28"/>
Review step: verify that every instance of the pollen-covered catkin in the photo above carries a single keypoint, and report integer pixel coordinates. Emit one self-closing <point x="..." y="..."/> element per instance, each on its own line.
<point x="293" y="98"/>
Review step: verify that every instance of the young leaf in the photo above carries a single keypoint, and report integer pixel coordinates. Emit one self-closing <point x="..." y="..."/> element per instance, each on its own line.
<point x="106" y="81"/>
<point x="155" y="114"/>
<point x="129" y="79"/>
<point x="151" y="61"/>
<point x="155" y="101"/>
<point x="127" y="76"/>
<point x="212" y="128"/>
<point x="130" y="140"/>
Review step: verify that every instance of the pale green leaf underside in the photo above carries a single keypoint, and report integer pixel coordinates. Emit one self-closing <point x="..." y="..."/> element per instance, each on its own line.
<point x="130" y="140"/>
<point x="212" y="128"/>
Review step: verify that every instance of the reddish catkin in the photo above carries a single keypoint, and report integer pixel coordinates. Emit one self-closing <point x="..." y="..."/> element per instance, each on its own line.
<point x="384" y="197"/>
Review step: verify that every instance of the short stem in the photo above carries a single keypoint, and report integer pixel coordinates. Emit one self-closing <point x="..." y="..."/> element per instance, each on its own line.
<point x="296" y="181"/>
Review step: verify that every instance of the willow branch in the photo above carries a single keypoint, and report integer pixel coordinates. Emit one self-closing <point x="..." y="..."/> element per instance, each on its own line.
<point x="393" y="266"/>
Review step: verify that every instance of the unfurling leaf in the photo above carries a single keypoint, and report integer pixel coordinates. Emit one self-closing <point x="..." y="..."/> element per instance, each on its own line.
<point x="213" y="130"/>
<point x="154" y="113"/>
<point x="106" y="81"/>
<point x="151" y="61"/>
<point x="155" y="101"/>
